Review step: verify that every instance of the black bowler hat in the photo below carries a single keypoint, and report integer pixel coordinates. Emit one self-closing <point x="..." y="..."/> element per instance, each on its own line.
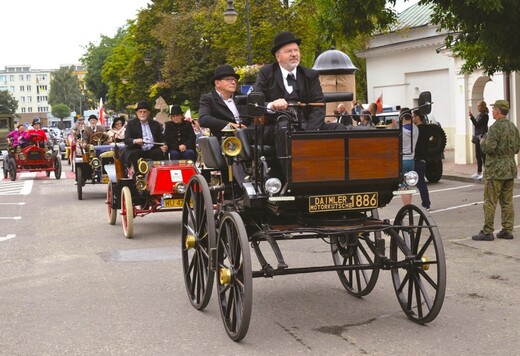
<point x="92" y="117"/>
<point x="176" y="110"/>
<point x="117" y="119"/>
<point x="143" y="105"/>
<point x="282" y="39"/>
<point x="36" y="120"/>
<point x="224" y="70"/>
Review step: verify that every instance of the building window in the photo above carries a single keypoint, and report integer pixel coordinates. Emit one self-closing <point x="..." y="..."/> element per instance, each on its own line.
<point x="11" y="78"/>
<point x="22" y="99"/>
<point x="29" y="109"/>
<point x="20" y="77"/>
<point x="28" y="88"/>
<point x="40" y="99"/>
<point x="22" y="88"/>
<point x="28" y="77"/>
<point x="29" y="99"/>
<point x="23" y="110"/>
<point x="3" y="78"/>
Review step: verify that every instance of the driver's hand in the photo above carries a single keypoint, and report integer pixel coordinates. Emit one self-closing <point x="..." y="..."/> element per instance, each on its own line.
<point x="279" y="104"/>
<point x="237" y="126"/>
<point x="139" y="141"/>
<point x="164" y="148"/>
<point x="182" y="148"/>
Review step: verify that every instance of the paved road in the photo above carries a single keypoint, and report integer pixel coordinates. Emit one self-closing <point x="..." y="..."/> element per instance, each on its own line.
<point x="70" y="284"/>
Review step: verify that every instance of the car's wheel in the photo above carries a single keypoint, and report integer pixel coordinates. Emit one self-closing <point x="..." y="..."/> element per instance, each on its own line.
<point x="436" y="140"/>
<point x="127" y="212"/>
<point x="5" y="166"/>
<point x="79" y="182"/>
<point x="433" y="170"/>
<point x="57" y="167"/>
<point x="112" y="212"/>
<point x="12" y="169"/>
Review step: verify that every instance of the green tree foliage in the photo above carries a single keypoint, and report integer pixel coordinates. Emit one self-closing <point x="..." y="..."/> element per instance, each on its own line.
<point x="65" y="88"/>
<point x="485" y="33"/>
<point x="60" y="111"/>
<point x="8" y="104"/>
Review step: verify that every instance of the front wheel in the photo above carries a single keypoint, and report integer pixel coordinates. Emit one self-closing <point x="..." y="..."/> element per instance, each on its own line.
<point x="57" y="167"/>
<point x="12" y="169"/>
<point x="355" y="250"/>
<point x="111" y="212"/>
<point x="420" y="281"/>
<point x="79" y="182"/>
<point x="198" y="240"/>
<point x="5" y="166"/>
<point x="235" y="281"/>
<point x="127" y="212"/>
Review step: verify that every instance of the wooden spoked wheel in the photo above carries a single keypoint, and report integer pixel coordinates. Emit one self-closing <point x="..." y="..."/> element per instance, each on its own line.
<point x="420" y="285"/>
<point x="127" y="212"/>
<point x="198" y="240"/>
<point x="111" y="212"/>
<point x="234" y="279"/>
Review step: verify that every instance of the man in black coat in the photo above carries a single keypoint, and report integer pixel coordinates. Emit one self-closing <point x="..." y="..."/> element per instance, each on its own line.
<point x="287" y="81"/>
<point x="219" y="108"/>
<point x="179" y="136"/>
<point x="142" y="136"/>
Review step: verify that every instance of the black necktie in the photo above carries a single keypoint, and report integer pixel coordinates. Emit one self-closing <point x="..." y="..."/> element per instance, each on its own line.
<point x="291" y="80"/>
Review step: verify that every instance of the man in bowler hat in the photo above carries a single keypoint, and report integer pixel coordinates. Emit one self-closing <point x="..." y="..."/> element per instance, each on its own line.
<point x="287" y="81"/>
<point x="218" y="108"/>
<point x="143" y="137"/>
<point x="179" y="136"/>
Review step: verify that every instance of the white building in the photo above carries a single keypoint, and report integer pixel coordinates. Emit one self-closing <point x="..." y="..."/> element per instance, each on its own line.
<point x="411" y="58"/>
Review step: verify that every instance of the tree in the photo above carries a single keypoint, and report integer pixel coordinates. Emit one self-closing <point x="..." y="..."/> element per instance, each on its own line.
<point x="60" y="111"/>
<point x="8" y="104"/>
<point x="485" y="33"/>
<point x="65" y="88"/>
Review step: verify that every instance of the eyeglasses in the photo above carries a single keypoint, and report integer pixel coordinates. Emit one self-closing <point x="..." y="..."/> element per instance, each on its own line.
<point x="229" y="79"/>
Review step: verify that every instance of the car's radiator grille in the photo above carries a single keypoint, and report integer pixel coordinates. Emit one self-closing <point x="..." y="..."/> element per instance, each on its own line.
<point x="35" y="155"/>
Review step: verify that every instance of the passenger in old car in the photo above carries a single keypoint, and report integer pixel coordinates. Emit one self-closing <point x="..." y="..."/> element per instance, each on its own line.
<point x="16" y="137"/>
<point x="143" y="137"/>
<point x="117" y="132"/>
<point x="35" y="135"/>
<point x="92" y="128"/>
<point x="219" y="108"/>
<point x="179" y="136"/>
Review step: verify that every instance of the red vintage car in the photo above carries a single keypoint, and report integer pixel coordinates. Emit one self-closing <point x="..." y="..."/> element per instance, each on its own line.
<point x="36" y="156"/>
<point x="157" y="186"/>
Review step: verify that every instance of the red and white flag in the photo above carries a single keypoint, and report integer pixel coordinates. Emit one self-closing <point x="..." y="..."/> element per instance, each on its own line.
<point x="187" y="115"/>
<point x="101" y="118"/>
<point x="379" y="103"/>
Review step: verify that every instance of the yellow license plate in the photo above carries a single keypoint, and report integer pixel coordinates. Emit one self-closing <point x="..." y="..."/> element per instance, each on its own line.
<point x="104" y="179"/>
<point x="172" y="203"/>
<point x="338" y="202"/>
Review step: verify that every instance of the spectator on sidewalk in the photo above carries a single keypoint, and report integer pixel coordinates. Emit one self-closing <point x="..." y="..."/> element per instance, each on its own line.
<point x="420" y="157"/>
<point x="500" y="146"/>
<point x="480" y="128"/>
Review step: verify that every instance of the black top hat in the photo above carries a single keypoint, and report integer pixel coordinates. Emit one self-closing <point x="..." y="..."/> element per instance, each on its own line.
<point x="176" y="110"/>
<point x="92" y="117"/>
<point x="224" y="70"/>
<point x="117" y="119"/>
<point x="143" y="105"/>
<point x="282" y="39"/>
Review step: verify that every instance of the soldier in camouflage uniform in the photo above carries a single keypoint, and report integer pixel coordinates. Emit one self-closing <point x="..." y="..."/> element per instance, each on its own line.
<point x="500" y="146"/>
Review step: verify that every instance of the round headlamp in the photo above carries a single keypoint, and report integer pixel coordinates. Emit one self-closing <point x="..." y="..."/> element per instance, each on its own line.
<point x="22" y="156"/>
<point x="272" y="186"/>
<point x="180" y="188"/>
<point x="411" y="178"/>
<point x="95" y="162"/>
<point x="48" y="155"/>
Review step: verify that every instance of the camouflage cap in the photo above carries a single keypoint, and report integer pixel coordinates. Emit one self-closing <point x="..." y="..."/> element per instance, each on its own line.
<point x="501" y="104"/>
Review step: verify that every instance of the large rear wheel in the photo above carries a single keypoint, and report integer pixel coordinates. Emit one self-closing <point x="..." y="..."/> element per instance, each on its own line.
<point x="420" y="281"/>
<point x="355" y="250"/>
<point x="198" y="240"/>
<point x="235" y="281"/>
<point x="127" y="212"/>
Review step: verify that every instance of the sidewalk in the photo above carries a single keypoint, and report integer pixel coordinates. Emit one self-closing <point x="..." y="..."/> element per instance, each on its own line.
<point x="461" y="172"/>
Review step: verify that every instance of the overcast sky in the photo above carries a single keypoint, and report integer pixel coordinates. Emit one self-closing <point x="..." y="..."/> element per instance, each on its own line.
<point x="48" y="33"/>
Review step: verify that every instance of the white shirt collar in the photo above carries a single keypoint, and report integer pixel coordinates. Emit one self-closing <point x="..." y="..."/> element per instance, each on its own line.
<point x="285" y="72"/>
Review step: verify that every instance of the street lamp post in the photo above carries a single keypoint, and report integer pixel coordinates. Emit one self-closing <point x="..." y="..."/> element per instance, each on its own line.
<point x="230" y="16"/>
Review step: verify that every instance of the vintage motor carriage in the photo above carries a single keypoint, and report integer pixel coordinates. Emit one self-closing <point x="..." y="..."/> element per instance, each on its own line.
<point x="36" y="156"/>
<point x="156" y="186"/>
<point x="330" y="194"/>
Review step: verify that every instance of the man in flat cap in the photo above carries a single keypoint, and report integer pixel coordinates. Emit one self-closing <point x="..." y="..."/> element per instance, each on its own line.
<point x="500" y="146"/>
<point x="219" y="108"/>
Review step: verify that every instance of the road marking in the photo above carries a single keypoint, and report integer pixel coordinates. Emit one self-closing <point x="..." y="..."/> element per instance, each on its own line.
<point x="20" y="203"/>
<point x="463" y="205"/>
<point x="454" y="188"/>
<point x="9" y="236"/>
<point x="10" y="217"/>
